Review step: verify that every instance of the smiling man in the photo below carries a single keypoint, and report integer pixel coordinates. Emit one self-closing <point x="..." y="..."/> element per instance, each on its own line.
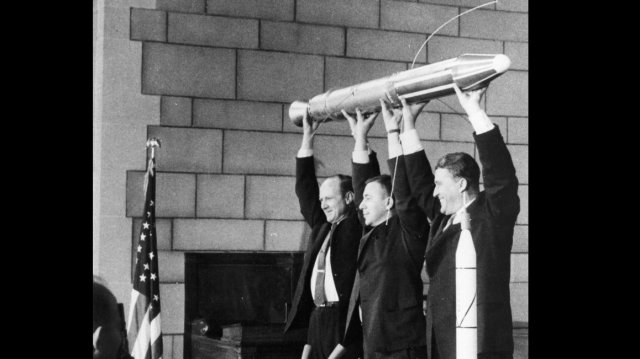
<point x="386" y="301"/>
<point x="493" y="213"/>
<point x="322" y="294"/>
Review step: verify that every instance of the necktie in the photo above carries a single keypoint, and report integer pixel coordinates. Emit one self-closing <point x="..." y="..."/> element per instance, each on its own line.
<point x="319" y="298"/>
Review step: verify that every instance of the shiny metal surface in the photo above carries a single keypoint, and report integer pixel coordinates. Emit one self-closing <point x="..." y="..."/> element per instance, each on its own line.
<point x="468" y="71"/>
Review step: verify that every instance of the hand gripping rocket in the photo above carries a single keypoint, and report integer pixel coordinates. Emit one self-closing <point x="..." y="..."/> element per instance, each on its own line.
<point x="468" y="71"/>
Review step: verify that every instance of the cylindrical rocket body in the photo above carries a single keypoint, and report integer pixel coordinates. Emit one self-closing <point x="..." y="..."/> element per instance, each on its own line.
<point x="466" y="300"/>
<point x="468" y="71"/>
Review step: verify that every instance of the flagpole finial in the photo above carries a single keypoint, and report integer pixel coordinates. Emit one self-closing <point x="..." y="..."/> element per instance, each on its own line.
<point x="153" y="142"/>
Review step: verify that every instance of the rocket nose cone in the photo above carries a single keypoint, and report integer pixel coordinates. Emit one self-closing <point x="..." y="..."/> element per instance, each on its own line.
<point x="501" y="63"/>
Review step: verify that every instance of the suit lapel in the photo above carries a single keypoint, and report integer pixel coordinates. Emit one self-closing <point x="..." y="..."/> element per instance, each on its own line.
<point x="363" y="241"/>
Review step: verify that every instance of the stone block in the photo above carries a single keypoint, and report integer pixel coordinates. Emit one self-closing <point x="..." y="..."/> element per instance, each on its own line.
<point x="293" y="37"/>
<point x="117" y="22"/>
<point x="342" y="72"/>
<point x="188" y="149"/>
<point x="167" y="346"/>
<point x="271" y="197"/>
<point x="520" y="156"/>
<point x="428" y="125"/>
<point x="333" y="155"/>
<point x="242" y="115"/>
<point x="218" y="234"/>
<point x="519" y="268"/>
<point x="114" y="253"/>
<point x="172" y="301"/>
<point x="213" y="31"/>
<point x="461" y="3"/>
<point x="181" y="5"/>
<point x="286" y="236"/>
<point x="163" y="233"/>
<point x="175" y="111"/>
<point x="518" y="53"/>
<point x="275" y="76"/>
<point x="171" y="266"/>
<point x="353" y="13"/>
<point x="513" y="5"/>
<point x="175" y="194"/>
<point x="523" y="193"/>
<point x="416" y="17"/>
<point x="443" y="47"/>
<point x="495" y="25"/>
<point x="436" y="149"/>
<point x="385" y="45"/>
<point x="178" y="346"/>
<point x="122" y="103"/>
<point x="518" y="130"/>
<point x="264" y="9"/>
<point x="520" y="239"/>
<point x="457" y="128"/>
<point x="520" y="301"/>
<point x="148" y="25"/>
<point x="188" y="71"/>
<point x="260" y="152"/>
<point x="509" y="95"/>
<point x="220" y="196"/>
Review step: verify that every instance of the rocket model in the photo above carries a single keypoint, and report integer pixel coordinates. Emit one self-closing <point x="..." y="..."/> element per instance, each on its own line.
<point x="466" y="303"/>
<point x="468" y="71"/>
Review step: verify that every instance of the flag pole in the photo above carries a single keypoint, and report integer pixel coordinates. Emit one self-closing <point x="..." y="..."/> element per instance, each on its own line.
<point x="144" y="328"/>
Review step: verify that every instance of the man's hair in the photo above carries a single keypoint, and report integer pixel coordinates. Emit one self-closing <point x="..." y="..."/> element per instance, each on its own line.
<point x="344" y="182"/>
<point x="383" y="180"/>
<point x="462" y="165"/>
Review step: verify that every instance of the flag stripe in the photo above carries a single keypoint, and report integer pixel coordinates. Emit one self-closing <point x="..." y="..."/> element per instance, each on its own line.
<point x="134" y="299"/>
<point x="155" y="329"/>
<point x="142" y="341"/>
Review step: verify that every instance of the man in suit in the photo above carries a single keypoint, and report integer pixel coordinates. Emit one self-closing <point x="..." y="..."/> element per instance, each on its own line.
<point x="493" y="214"/>
<point x="322" y="294"/>
<point x="386" y="301"/>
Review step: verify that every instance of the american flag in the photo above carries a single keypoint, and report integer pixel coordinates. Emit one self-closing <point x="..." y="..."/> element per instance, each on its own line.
<point x="144" y="331"/>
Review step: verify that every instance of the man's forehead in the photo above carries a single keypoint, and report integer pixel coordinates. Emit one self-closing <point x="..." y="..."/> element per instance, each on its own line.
<point x="374" y="188"/>
<point x="443" y="173"/>
<point x="330" y="184"/>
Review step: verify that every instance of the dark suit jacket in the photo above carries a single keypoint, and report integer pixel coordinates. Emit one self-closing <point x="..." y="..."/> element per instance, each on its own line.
<point x="388" y="285"/>
<point x="344" y="249"/>
<point x="493" y="215"/>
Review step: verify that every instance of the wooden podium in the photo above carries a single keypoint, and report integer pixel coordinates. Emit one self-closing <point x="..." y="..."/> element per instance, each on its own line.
<point x="241" y="341"/>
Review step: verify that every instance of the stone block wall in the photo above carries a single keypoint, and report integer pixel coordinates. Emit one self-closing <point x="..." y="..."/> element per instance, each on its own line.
<point x="226" y="72"/>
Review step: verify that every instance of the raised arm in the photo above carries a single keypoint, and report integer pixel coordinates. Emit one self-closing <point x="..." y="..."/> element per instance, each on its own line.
<point x="364" y="160"/>
<point x="419" y="175"/>
<point x="307" y="188"/>
<point x="498" y="171"/>
<point x="407" y="208"/>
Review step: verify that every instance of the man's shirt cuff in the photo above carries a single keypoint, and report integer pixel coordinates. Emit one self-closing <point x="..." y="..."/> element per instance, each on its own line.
<point x="410" y="142"/>
<point x="304" y="153"/>
<point x="360" y="156"/>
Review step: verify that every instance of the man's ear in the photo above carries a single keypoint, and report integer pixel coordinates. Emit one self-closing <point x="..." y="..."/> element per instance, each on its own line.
<point x="388" y="203"/>
<point x="463" y="185"/>
<point x="348" y="197"/>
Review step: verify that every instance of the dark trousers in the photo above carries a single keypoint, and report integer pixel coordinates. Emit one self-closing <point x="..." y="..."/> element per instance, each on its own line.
<point x="497" y="355"/>
<point x="410" y="353"/>
<point x="324" y="334"/>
